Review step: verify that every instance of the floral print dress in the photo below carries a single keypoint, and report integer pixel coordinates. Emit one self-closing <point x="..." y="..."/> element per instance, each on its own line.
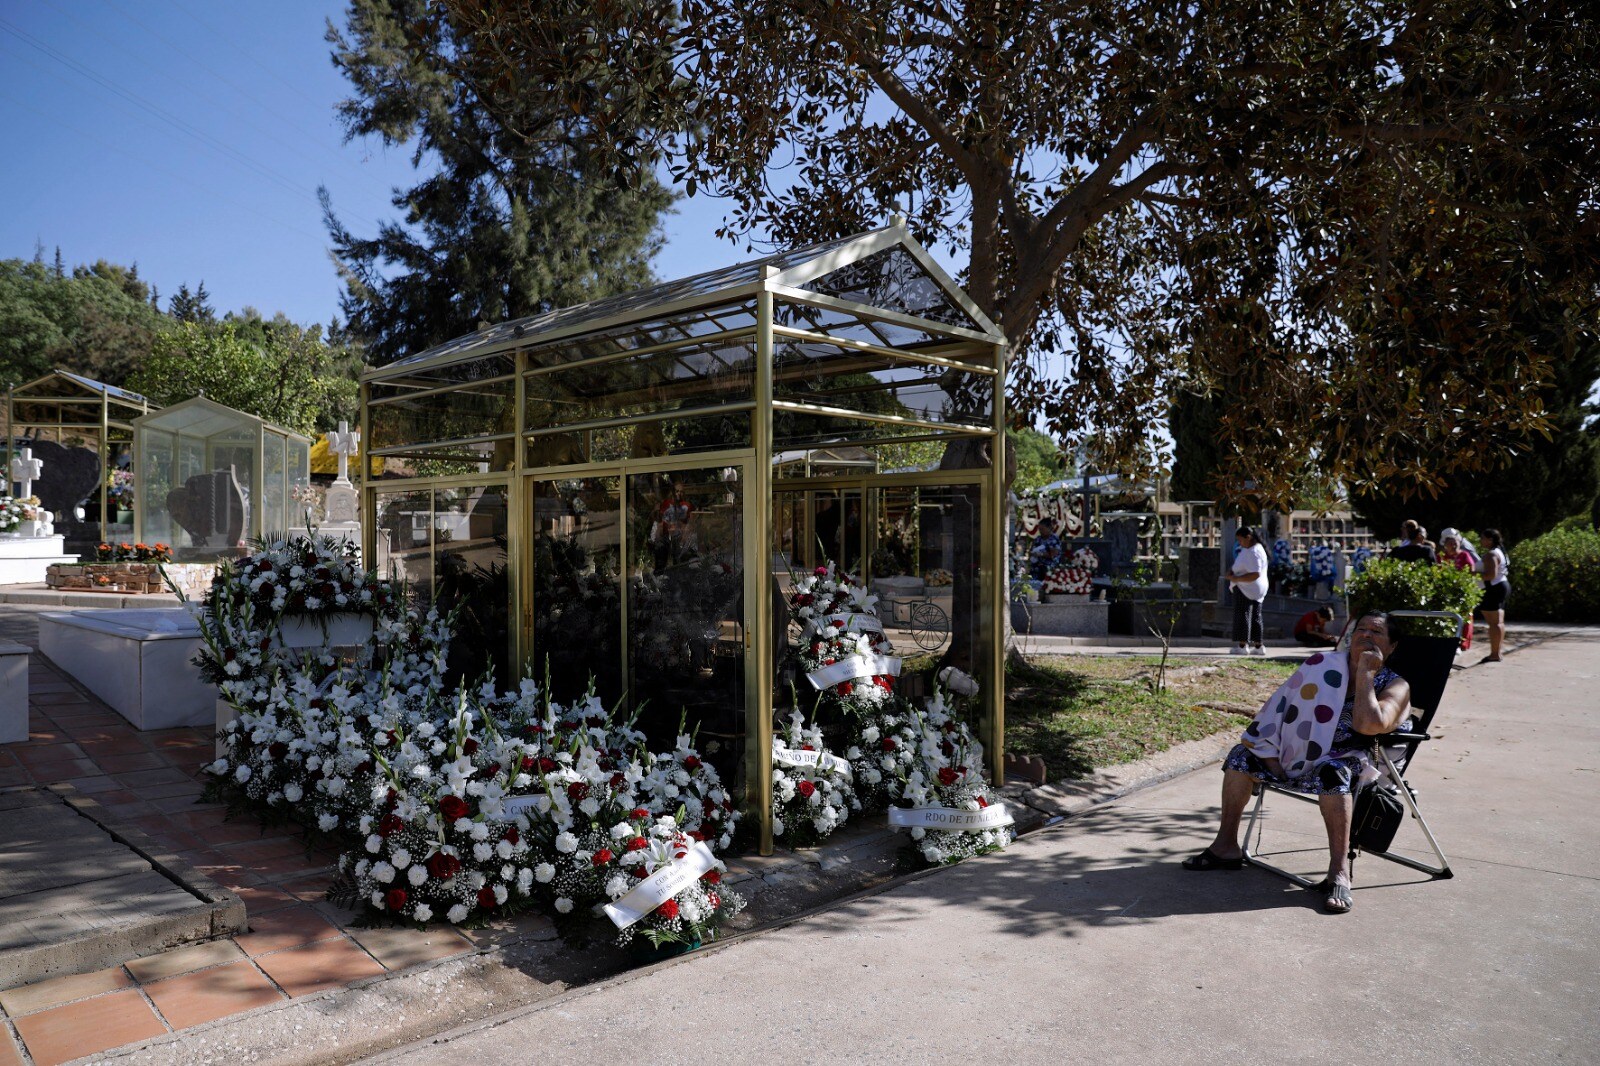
<point x="1337" y="775"/>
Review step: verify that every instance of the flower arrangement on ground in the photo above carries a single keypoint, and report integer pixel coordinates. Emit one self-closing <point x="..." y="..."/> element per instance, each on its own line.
<point x="881" y="753"/>
<point x="307" y="575"/>
<point x="812" y="792"/>
<point x="843" y="651"/>
<point x="939" y="578"/>
<point x="452" y="804"/>
<point x="132" y="553"/>
<point x="1067" y="580"/>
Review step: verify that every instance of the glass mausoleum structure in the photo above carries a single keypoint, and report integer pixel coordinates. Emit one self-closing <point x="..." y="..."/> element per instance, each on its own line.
<point x="636" y="482"/>
<point x="71" y="412"/>
<point x="212" y="478"/>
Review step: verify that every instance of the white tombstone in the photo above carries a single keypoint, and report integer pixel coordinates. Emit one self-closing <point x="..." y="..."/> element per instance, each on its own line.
<point x="25" y="470"/>
<point x="342" y="504"/>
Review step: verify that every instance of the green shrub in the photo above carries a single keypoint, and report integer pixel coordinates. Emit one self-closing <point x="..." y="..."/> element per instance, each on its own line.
<point x="1392" y="585"/>
<point x="1557" y="576"/>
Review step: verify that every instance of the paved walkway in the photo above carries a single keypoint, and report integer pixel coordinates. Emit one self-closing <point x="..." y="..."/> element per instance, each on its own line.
<point x="1088" y="943"/>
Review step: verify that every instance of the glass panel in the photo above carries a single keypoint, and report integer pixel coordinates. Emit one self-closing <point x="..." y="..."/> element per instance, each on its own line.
<point x="577" y="587"/>
<point x="433" y="377"/>
<point x="699" y="375"/>
<point x="151" y="484"/>
<point x="831" y="376"/>
<point x="645" y="334"/>
<point x="725" y="431"/>
<point x="274" y="487"/>
<point x="483" y="457"/>
<point x="851" y="327"/>
<point x="470" y="577"/>
<point x="470" y="411"/>
<point x="893" y="280"/>
<point x="404" y="540"/>
<point x="896" y="447"/>
<point x="686" y="609"/>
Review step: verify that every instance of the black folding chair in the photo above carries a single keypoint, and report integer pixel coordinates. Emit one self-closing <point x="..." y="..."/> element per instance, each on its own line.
<point x="1425" y="663"/>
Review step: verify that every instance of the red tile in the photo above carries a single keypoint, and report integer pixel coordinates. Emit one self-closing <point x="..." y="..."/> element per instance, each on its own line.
<point x="271" y="848"/>
<point x="49" y="773"/>
<point x="10" y="1055"/>
<point x="13" y="775"/>
<point x="259" y="899"/>
<point x="210" y="994"/>
<point x="235" y="832"/>
<point x="184" y="790"/>
<point x="59" y="990"/>
<point x="285" y="928"/>
<point x="90" y="1025"/>
<point x="185" y="804"/>
<point x="165" y="775"/>
<point x="125" y="764"/>
<point x="94" y="786"/>
<point x="314" y="967"/>
<point x="115" y="746"/>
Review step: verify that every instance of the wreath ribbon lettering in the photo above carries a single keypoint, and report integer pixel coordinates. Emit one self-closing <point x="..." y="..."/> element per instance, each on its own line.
<point x="991" y="817"/>
<point x="811" y="759"/>
<point x="853" y="667"/>
<point x="661" y="886"/>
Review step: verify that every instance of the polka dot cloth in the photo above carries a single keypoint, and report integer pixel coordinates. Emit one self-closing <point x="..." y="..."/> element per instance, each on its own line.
<point x="1296" y="724"/>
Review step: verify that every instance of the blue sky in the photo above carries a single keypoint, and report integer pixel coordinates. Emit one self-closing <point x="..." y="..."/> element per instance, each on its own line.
<point x="191" y="137"/>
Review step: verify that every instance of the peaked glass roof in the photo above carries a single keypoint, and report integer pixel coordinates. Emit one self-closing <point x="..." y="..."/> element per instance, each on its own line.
<point x="62" y="383"/>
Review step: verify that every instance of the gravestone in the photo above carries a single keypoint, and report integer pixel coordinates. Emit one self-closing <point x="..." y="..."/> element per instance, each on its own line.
<point x="71" y="477"/>
<point x="1122" y="540"/>
<point x="210" y="508"/>
<point x="1199" y="567"/>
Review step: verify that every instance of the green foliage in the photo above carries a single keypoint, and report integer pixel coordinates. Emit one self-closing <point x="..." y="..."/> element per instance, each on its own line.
<point x="1195" y="423"/>
<point x="277" y="371"/>
<point x="1557" y="576"/>
<point x="95" y="321"/>
<point x="508" y="223"/>
<point x="1039" y="459"/>
<point x="1392" y="585"/>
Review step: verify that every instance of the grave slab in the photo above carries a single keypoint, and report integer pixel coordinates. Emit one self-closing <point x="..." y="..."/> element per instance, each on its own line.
<point x="137" y="660"/>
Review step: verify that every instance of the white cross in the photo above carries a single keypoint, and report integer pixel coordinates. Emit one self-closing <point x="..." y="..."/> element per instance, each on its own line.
<point x="25" y="468"/>
<point x="343" y="442"/>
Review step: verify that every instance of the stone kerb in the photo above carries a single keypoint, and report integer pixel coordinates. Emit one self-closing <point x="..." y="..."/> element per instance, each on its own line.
<point x="13" y="692"/>
<point x="193" y="579"/>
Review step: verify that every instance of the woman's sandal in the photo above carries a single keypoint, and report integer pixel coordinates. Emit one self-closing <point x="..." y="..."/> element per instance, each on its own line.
<point x="1210" y="860"/>
<point x="1338" y="900"/>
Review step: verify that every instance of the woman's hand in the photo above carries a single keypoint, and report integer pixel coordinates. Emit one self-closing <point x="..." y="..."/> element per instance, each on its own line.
<point x="1369" y="660"/>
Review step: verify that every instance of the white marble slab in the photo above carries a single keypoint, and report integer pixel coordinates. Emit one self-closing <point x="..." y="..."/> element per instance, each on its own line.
<point x="137" y="660"/>
<point x="24" y="560"/>
<point x="13" y="692"/>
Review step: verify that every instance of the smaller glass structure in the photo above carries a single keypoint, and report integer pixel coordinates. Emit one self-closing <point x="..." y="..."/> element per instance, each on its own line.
<point x="72" y="411"/>
<point x="211" y="478"/>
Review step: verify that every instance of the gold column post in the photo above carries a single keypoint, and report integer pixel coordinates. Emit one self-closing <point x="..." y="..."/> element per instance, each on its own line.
<point x="758" y="505"/>
<point x="368" y="510"/>
<point x="1000" y="557"/>
<point x="519" y="532"/>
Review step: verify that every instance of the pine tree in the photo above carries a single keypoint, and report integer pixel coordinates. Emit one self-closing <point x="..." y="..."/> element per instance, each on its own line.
<point x="60" y="267"/>
<point x="506" y="225"/>
<point x="194" y="306"/>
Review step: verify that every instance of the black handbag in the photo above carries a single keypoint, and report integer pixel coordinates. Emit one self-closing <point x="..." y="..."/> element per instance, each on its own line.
<point x="1377" y="818"/>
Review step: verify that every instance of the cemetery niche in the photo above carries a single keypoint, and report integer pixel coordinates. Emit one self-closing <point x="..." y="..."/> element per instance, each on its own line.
<point x="212" y="479"/>
<point x="626" y="497"/>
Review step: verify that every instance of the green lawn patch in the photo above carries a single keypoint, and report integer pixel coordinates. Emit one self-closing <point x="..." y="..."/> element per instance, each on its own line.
<point x="1084" y="712"/>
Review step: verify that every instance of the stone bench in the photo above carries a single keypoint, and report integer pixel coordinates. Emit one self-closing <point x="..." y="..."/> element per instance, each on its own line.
<point x="13" y="692"/>
<point x="138" y="660"/>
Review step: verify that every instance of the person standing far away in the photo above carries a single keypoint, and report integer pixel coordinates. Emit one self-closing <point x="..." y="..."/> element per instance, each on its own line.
<point x="1455" y="551"/>
<point x="1414" y="546"/>
<point x="1046" y="553"/>
<point x="1247" y="579"/>
<point x="1496" y="591"/>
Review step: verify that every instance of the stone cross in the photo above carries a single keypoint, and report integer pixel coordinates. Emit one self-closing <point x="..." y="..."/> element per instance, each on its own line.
<point x="344" y="442"/>
<point x="25" y="468"/>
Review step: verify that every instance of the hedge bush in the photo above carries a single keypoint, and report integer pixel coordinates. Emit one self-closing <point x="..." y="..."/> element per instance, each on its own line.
<point x="1393" y="585"/>
<point x="1556" y="577"/>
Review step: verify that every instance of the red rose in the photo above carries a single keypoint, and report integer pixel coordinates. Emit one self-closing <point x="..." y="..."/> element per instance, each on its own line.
<point x="453" y="807"/>
<point x="638" y="844"/>
<point x="712" y="877"/>
<point x="691" y="762"/>
<point x="669" y="909"/>
<point x="887" y="744"/>
<point x="601" y="857"/>
<point x="577" y="790"/>
<point x="529" y="765"/>
<point x="845" y="688"/>
<point x="807" y="747"/>
<point x="277" y="749"/>
<point x="618" y="779"/>
<point x="821" y="571"/>
<point x="695" y="834"/>
<point x="982" y="803"/>
<point x="486" y="898"/>
<point x="714" y="899"/>
<point x="443" y="866"/>
<point x="546" y="764"/>
<point x="948" y="776"/>
<point x="805" y="788"/>
<point x="390" y="824"/>
<point x="638" y="812"/>
<point x="512" y="836"/>
<point x="395" y="899"/>
<point x="469" y="746"/>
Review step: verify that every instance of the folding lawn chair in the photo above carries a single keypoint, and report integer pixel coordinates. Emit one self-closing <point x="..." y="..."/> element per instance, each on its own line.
<point x="1425" y="663"/>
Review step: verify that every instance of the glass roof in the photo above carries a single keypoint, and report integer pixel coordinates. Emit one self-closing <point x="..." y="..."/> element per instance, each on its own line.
<point x="858" y="268"/>
<point x="201" y="417"/>
<point x="51" y="385"/>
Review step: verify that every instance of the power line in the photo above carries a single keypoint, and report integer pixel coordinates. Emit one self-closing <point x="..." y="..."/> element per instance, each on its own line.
<point x="204" y="138"/>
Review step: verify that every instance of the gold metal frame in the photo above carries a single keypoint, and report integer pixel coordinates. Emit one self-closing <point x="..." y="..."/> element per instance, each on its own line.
<point x="981" y="350"/>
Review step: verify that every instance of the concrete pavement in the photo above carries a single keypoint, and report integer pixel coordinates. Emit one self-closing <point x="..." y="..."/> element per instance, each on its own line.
<point x="1088" y="943"/>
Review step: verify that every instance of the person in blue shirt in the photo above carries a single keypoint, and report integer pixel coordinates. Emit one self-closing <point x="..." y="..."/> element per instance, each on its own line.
<point x="1047" y="550"/>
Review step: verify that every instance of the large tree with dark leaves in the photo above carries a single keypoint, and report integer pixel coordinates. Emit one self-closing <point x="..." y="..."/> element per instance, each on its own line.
<point x="1146" y="192"/>
<point x="516" y="216"/>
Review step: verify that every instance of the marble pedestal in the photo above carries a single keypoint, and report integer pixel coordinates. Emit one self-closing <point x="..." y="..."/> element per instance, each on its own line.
<point x="25" y="560"/>
<point x="137" y="660"/>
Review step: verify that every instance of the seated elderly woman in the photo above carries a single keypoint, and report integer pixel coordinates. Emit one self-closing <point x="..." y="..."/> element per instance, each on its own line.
<point x="1297" y="742"/>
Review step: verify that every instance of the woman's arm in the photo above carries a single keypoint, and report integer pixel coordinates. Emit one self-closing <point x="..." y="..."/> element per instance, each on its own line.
<point x="1491" y="568"/>
<point x="1374" y="715"/>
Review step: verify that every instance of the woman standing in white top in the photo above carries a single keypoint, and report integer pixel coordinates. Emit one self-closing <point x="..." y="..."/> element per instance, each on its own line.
<point x="1248" y="580"/>
<point x="1496" y="591"/>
